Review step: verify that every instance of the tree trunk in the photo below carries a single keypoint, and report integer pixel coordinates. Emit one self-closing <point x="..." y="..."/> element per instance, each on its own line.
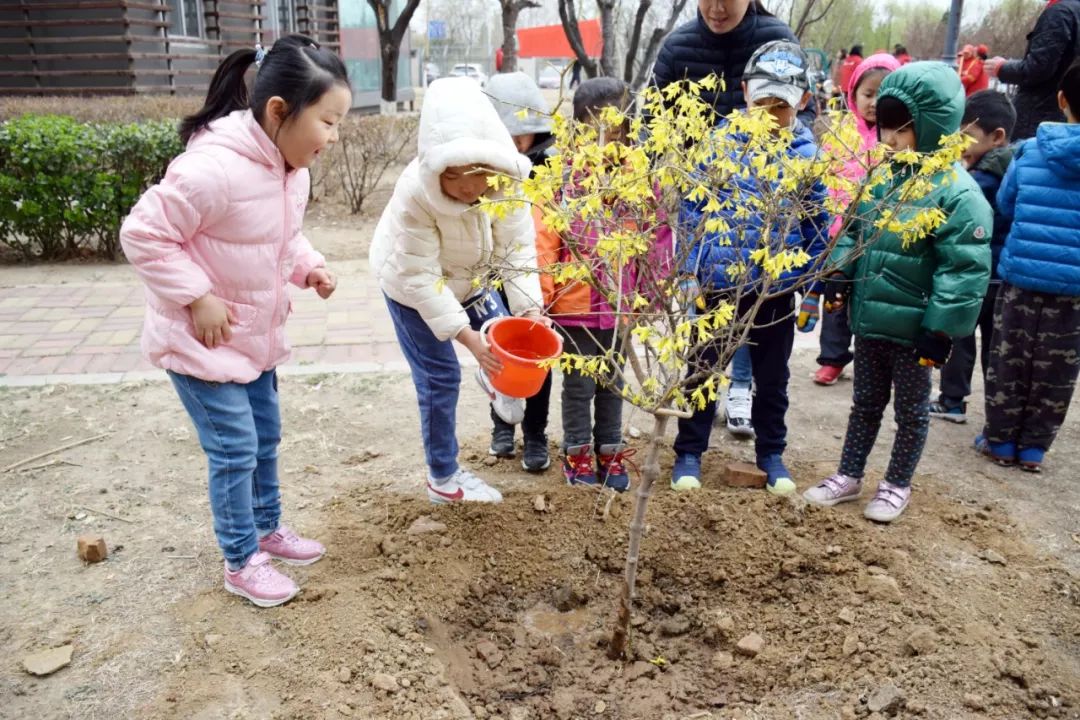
<point x="389" y="56"/>
<point x="390" y="47"/>
<point x="510" y="10"/>
<point x="652" y="49"/>
<point x="609" y="65"/>
<point x="649" y="475"/>
<point x="635" y="39"/>
<point x="568" y="16"/>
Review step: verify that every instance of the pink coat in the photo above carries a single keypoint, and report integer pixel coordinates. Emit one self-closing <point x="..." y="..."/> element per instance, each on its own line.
<point x="225" y="220"/>
<point x="855" y="168"/>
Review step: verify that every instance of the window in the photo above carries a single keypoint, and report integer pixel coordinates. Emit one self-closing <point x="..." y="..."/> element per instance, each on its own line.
<point x="286" y="17"/>
<point x="185" y="18"/>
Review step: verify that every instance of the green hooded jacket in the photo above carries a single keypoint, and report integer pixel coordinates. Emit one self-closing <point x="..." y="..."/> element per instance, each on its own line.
<point x="937" y="283"/>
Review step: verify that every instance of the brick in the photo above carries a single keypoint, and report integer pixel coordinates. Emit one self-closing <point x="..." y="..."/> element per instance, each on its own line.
<point x="744" y="475"/>
<point x="91" y="548"/>
<point x="125" y="362"/>
<point x="99" y="363"/>
<point x="123" y="337"/>
<point x="73" y="364"/>
<point x="65" y="326"/>
<point x="17" y="342"/>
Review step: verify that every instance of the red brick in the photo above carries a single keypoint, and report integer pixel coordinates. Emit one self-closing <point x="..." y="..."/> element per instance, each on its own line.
<point x="74" y="364"/>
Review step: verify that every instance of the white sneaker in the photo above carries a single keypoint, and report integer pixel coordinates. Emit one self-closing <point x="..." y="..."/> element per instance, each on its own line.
<point x="737" y="411"/>
<point x="511" y="410"/>
<point x="462" y="486"/>
<point x="834" y="490"/>
<point x="889" y="502"/>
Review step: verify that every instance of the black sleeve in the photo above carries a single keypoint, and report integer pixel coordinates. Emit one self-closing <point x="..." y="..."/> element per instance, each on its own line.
<point x="1050" y="41"/>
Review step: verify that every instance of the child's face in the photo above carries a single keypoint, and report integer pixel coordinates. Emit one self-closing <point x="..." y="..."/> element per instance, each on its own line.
<point x="866" y="97"/>
<point x="899" y="140"/>
<point x="465" y="183"/>
<point x="524" y="142"/>
<point x="984" y="143"/>
<point x="302" y="137"/>
<point x="783" y="113"/>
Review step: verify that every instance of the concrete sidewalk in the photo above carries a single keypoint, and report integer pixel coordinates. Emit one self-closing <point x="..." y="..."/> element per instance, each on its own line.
<point x="86" y="331"/>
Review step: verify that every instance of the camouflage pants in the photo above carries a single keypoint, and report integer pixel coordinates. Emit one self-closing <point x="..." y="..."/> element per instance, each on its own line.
<point x="1034" y="363"/>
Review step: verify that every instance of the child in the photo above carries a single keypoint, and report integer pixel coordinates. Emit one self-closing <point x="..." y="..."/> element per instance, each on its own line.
<point x="777" y="81"/>
<point x="835" y="332"/>
<point x="512" y="94"/>
<point x="432" y="241"/>
<point x="1033" y="364"/>
<point x="586" y="319"/>
<point x="907" y="302"/>
<point x="215" y="243"/>
<point x="989" y="120"/>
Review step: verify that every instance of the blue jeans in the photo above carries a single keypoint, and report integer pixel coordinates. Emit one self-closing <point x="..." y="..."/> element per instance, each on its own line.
<point x="239" y="428"/>
<point x="742" y="370"/>
<point x="436" y="373"/>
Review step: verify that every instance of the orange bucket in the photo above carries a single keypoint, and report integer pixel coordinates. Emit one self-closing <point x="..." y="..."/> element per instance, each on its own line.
<point x="521" y="345"/>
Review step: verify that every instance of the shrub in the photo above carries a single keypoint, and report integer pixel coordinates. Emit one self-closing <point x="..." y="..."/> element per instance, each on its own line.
<point x="369" y="145"/>
<point x="65" y="186"/>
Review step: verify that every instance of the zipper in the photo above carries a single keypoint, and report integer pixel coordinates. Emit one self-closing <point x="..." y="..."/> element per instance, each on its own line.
<point x="277" y="269"/>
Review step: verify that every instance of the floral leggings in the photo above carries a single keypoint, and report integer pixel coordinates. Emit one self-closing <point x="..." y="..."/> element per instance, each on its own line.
<point x="880" y="366"/>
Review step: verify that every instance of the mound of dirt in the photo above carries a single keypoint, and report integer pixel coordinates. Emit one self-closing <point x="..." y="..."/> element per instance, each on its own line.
<point x="749" y="606"/>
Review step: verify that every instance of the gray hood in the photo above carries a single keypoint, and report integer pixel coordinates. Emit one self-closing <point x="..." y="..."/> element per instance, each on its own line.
<point x="512" y="92"/>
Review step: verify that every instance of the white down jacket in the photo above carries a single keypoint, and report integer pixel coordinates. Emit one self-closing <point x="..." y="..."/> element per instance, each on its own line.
<point x="429" y="247"/>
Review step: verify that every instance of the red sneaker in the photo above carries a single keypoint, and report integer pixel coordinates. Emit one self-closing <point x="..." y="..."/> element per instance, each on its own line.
<point x="828" y="374"/>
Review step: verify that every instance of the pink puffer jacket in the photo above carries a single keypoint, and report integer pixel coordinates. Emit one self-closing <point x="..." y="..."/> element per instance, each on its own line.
<point x="226" y="220"/>
<point x="855" y="168"/>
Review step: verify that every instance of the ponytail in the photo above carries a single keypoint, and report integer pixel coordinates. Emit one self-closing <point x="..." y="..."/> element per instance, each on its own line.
<point x="228" y="92"/>
<point x="295" y="69"/>
<point x="760" y="9"/>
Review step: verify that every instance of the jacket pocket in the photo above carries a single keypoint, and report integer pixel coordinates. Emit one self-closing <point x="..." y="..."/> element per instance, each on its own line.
<point x="244" y="315"/>
<point x="905" y="286"/>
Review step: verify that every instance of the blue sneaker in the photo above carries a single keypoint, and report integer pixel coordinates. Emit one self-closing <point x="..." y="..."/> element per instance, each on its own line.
<point x="1030" y="459"/>
<point x="942" y="410"/>
<point x="686" y="473"/>
<point x="1002" y="453"/>
<point x="578" y="465"/>
<point x="779" y="478"/>
<point x="611" y="470"/>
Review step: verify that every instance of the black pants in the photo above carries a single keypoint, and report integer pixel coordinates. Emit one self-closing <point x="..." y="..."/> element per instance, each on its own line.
<point x="770" y="344"/>
<point x="591" y="411"/>
<point x="956" y="375"/>
<point x="835" y="339"/>
<point x="1034" y="364"/>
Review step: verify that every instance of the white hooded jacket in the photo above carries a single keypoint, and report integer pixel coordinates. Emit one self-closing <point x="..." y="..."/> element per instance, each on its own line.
<point x="429" y="247"/>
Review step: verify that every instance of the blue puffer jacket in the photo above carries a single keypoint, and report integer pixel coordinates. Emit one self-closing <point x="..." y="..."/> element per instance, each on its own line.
<point x="1041" y="194"/>
<point x="710" y="257"/>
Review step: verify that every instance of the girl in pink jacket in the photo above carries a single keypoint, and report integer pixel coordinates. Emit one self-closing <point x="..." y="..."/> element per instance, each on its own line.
<point x="215" y="243"/>
<point x="861" y="100"/>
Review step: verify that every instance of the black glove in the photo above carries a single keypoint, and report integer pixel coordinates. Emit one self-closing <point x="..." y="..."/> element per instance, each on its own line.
<point x="837" y="289"/>
<point x="932" y="348"/>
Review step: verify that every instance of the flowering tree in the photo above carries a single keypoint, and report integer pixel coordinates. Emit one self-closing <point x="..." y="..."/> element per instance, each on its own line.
<point x="745" y="191"/>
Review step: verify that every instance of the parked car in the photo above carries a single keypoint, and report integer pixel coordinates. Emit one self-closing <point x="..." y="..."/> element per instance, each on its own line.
<point x="470" y="70"/>
<point x="431" y="72"/>
<point x="551" y="77"/>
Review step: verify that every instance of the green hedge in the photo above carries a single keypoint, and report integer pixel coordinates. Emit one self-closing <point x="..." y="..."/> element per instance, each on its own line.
<point x="66" y="186"/>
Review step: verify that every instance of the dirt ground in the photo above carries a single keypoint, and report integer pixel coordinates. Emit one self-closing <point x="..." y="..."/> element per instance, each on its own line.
<point x="966" y="608"/>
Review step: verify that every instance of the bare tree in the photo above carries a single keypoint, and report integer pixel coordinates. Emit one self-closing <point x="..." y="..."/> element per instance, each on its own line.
<point x="510" y="11"/>
<point x="568" y="16"/>
<point x="390" y="36"/>
<point x="636" y="68"/>
<point x="1004" y="28"/>
<point x="813" y="11"/>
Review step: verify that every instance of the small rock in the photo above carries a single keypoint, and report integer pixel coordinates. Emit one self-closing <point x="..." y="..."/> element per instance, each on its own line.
<point x="424" y="525"/>
<point x="489" y="652"/>
<point x="751" y="645"/>
<point x="519" y="713"/>
<point x="885" y="699"/>
<point x="47" y="662"/>
<point x="385" y="682"/>
<point x="212" y="639"/>
<point x="405" y="682"/>
<point x="1030" y="641"/>
<point x="846" y="615"/>
<point x="851" y="645"/>
<point x="568" y="598"/>
<point x="491" y="461"/>
<point x="599" y="707"/>
<point x="91" y="548"/>
<point x="883" y="587"/>
<point x="344" y="674"/>
<point x="833" y="549"/>
<point x="638" y="670"/>
<point x="388" y="546"/>
<point x="722" y="660"/>
<point x="634" y="432"/>
<point x="921" y="641"/>
<point x="673" y="627"/>
<point x="343" y="709"/>
<point x="725" y="624"/>
<point x="993" y="557"/>
<point x="540" y="504"/>
<point x="973" y="701"/>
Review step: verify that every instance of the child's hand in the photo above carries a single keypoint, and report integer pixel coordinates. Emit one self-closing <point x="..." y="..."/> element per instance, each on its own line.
<point x="836" y="292"/>
<point x="474" y="341"/>
<point x="808" y="313"/>
<point x="213" y="320"/>
<point x="932" y="349"/>
<point x="323" y="281"/>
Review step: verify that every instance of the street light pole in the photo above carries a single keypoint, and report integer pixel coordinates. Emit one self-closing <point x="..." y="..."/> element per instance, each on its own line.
<point x="952" y="34"/>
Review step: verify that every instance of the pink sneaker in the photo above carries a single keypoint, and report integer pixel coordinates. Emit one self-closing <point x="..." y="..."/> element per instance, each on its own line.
<point x="288" y="547"/>
<point x="889" y="502"/>
<point x="834" y="489"/>
<point x="260" y="583"/>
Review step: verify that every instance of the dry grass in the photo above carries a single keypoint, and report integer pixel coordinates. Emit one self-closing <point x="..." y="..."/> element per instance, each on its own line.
<point x="104" y="109"/>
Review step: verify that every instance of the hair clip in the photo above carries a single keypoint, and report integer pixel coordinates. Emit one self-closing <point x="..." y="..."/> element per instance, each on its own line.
<point x="260" y="55"/>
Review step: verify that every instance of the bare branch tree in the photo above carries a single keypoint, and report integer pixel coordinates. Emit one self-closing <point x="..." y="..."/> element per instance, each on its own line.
<point x="808" y="18"/>
<point x="511" y="9"/>
<point x="568" y="16"/>
<point x="637" y="69"/>
<point x="390" y="37"/>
